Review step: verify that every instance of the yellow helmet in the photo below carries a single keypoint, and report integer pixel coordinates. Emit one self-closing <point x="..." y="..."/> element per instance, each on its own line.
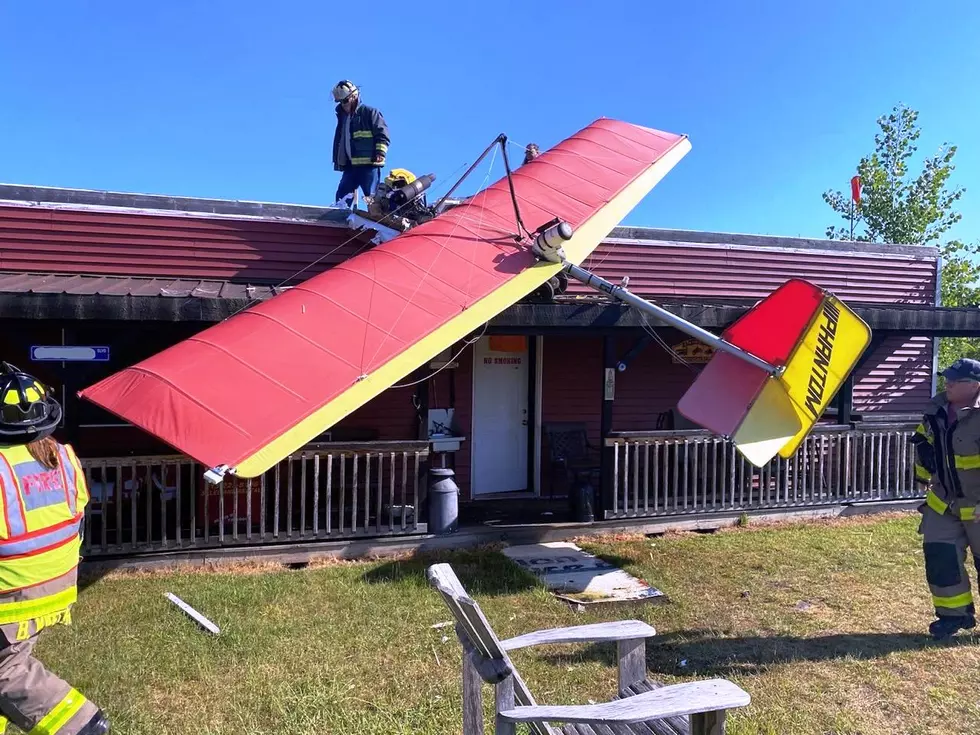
<point x="399" y="177"/>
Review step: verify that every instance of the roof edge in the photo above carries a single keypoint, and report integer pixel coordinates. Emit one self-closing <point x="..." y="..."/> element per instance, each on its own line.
<point x="55" y="197"/>
<point x="49" y="196"/>
<point x="654" y="234"/>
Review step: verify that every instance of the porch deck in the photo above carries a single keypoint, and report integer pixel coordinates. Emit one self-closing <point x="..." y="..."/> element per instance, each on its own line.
<point x="373" y="494"/>
<point x="324" y="492"/>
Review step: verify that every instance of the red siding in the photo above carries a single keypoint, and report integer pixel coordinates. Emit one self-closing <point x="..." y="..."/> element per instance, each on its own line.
<point x="897" y="378"/>
<point x="651" y="384"/>
<point x="391" y="416"/>
<point x="463" y="375"/>
<point x="746" y="271"/>
<point x="104" y="242"/>
<point x="571" y="391"/>
<point x="119" y="243"/>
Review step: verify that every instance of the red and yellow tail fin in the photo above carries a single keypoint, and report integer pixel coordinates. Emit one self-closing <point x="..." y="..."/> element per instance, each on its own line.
<point x="816" y="341"/>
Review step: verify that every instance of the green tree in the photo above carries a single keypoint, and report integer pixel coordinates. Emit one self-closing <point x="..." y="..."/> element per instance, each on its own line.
<point x="899" y="208"/>
<point x="894" y="207"/>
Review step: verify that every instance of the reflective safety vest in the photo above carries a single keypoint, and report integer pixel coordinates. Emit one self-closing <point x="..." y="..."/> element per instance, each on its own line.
<point x="954" y="446"/>
<point x="41" y="512"/>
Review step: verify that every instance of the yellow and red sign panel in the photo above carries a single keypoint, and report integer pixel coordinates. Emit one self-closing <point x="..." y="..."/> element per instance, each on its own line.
<point x="813" y="337"/>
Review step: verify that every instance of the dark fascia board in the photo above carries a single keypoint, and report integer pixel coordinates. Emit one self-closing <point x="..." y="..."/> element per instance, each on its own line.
<point x="545" y="318"/>
<point x="654" y="235"/>
<point x="42" y="195"/>
<point x="522" y="318"/>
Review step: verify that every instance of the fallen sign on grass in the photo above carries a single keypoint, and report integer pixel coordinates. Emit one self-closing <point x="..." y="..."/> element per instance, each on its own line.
<point x="579" y="577"/>
<point x="200" y="619"/>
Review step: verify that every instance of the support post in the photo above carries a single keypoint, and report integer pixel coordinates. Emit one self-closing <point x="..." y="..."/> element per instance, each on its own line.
<point x="845" y="400"/>
<point x="472" y="697"/>
<point x="605" y="426"/>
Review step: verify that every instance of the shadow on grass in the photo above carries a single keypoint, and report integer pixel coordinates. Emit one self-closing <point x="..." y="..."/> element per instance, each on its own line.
<point x="482" y="572"/>
<point x="699" y="653"/>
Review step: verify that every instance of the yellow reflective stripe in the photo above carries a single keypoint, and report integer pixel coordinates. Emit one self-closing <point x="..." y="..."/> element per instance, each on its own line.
<point x="362" y="134"/>
<point x="933" y="501"/>
<point x="922" y="473"/>
<point x="61" y="715"/>
<point x="361" y="161"/>
<point x="956" y="601"/>
<point x="967" y="514"/>
<point x="3" y="723"/>
<point x="16" y="612"/>
<point x="28" y="571"/>
<point x="81" y="483"/>
<point x="383" y="147"/>
<point x="968" y="461"/>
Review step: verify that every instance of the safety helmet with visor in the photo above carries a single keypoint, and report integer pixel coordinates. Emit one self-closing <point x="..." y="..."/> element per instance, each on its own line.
<point x="344" y="89"/>
<point x="28" y="411"/>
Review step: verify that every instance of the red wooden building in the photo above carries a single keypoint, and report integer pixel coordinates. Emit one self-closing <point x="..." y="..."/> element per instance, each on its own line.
<point x="136" y="273"/>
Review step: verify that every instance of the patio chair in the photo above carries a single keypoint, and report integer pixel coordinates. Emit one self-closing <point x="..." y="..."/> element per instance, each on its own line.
<point x="642" y="707"/>
<point x="571" y="453"/>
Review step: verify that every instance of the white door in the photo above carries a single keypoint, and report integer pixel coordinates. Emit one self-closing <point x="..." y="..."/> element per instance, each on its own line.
<point x="500" y="418"/>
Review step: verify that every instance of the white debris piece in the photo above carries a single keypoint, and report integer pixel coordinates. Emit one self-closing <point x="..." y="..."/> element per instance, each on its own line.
<point x="200" y="619"/>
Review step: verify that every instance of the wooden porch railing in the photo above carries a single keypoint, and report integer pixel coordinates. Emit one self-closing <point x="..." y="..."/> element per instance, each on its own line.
<point x="673" y="472"/>
<point x="323" y="492"/>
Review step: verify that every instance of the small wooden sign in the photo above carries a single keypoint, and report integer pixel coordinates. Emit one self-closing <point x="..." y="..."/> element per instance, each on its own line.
<point x="693" y="351"/>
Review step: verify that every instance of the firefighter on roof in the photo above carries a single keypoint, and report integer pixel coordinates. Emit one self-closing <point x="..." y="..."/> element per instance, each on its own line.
<point x="43" y="498"/>
<point x="947" y="445"/>
<point x="360" y="142"/>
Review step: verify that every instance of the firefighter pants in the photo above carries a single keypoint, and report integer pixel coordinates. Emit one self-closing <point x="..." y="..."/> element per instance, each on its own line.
<point x="365" y="177"/>
<point x="945" y="539"/>
<point x="31" y="697"/>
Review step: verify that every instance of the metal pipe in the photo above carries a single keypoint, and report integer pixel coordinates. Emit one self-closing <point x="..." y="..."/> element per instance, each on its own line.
<point x="499" y="140"/>
<point x="620" y="293"/>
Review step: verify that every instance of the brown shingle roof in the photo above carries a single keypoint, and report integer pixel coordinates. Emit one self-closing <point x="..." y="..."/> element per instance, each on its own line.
<point x="46" y="283"/>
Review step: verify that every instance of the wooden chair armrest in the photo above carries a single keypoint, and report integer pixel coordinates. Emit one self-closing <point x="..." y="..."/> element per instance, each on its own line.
<point x="618" y="630"/>
<point x="677" y="700"/>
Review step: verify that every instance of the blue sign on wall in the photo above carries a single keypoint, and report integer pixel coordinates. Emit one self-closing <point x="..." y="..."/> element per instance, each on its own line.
<point x="69" y="353"/>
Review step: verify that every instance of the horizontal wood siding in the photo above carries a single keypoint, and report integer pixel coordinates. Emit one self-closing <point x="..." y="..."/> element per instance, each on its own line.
<point x="389" y="417"/>
<point x="712" y="271"/>
<point x="68" y="241"/>
<point x="897" y="378"/>
<point x="571" y="392"/>
<point x="651" y="384"/>
<point x="98" y="242"/>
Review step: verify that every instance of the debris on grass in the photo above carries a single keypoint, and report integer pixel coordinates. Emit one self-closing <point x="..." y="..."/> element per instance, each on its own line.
<point x="198" y="618"/>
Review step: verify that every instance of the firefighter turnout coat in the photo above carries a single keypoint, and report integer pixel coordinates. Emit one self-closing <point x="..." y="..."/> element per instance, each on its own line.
<point x="948" y="461"/>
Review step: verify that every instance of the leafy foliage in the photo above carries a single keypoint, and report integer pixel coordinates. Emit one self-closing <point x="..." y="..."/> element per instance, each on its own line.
<point x="896" y="208"/>
<point x="893" y="207"/>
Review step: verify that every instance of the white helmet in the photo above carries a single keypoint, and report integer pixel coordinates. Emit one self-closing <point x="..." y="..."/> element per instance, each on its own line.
<point x="343" y="90"/>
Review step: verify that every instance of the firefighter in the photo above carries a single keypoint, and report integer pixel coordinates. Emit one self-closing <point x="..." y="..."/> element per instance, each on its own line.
<point x="947" y="445"/>
<point x="360" y="142"/>
<point x="43" y="497"/>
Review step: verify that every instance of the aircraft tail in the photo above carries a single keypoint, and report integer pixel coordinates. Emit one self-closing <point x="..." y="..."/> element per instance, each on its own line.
<point x="812" y="337"/>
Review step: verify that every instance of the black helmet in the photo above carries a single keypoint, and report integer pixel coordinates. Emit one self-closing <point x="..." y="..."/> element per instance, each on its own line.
<point x="27" y="409"/>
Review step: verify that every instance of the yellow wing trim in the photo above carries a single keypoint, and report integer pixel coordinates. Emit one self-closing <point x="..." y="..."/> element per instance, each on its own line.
<point x="585" y="239"/>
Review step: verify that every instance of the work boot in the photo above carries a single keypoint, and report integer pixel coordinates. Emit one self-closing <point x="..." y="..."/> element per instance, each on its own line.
<point x="98" y="725"/>
<point x="948" y="625"/>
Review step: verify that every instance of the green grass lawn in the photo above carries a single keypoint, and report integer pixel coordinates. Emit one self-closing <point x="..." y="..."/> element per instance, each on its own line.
<point x="822" y="623"/>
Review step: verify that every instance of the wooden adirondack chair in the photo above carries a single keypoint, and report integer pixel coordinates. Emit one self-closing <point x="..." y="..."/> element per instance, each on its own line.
<point x="642" y="707"/>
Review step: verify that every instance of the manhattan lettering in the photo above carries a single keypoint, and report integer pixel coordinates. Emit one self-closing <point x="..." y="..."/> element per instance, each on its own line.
<point x="821" y="359"/>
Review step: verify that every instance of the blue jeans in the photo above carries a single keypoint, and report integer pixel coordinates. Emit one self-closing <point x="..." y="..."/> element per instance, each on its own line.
<point x="365" y="177"/>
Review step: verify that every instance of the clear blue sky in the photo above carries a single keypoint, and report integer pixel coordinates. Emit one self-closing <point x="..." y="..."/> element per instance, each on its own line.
<point x="231" y="99"/>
